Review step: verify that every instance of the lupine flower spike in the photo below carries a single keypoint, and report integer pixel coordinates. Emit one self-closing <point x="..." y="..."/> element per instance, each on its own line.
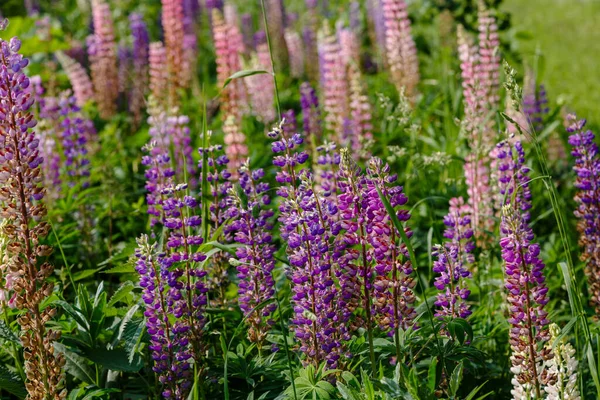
<point x="587" y="168"/>
<point x="172" y="22"/>
<point x="524" y="281"/>
<point x="141" y="42"/>
<point x="562" y="368"/>
<point x="80" y="81"/>
<point x="21" y="197"/>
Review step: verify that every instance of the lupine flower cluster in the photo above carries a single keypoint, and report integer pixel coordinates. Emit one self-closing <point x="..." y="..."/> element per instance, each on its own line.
<point x="80" y="81"/>
<point x="172" y="23"/>
<point x="587" y="168"/>
<point x="311" y="115"/>
<point x="140" y="54"/>
<point x="260" y="87"/>
<point x="453" y="263"/>
<point x="294" y="44"/>
<point x="157" y="60"/>
<point x="400" y="46"/>
<point x="360" y="110"/>
<point x="251" y="221"/>
<point x="21" y="196"/>
<point x="525" y="282"/>
<point x="562" y="368"/>
<point x="102" y="53"/>
<point x="535" y="106"/>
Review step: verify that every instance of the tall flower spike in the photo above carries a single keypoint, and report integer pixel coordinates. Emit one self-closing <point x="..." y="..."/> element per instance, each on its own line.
<point x="172" y="22"/>
<point x="103" y="59"/>
<point x="296" y="52"/>
<point x="75" y="132"/>
<point x="169" y="351"/>
<point x="334" y="84"/>
<point x="562" y="368"/>
<point x="360" y="111"/>
<point x="488" y="66"/>
<point x="524" y="279"/>
<point x="21" y="195"/>
<point x="261" y="87"/>
<point x="124" y="56"/>
<point x="141" y="43"/>
<point x="275" y="19"/>
<point x="80" y="81"/>
<point x="157" y="59"/>
<point x="400" y="46"/>
<point x="477" y="177"/>
<point x="251" y="220"/>
<point x="306" y="225"/>
<point x="587" y="168"/>
<point x="311" y="116"/>
<point x="453" y="261"/>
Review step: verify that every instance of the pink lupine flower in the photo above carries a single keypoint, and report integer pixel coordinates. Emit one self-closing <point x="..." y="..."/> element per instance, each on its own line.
<point x="80" y="81"/>
<point x="103" y="59"/>
<point x="349" y="46"/>
<point x="400" y="46"/>
<point x="157" y="59"/>
<point x="235" y="144"/>
<point x="488" y="66"/>
<point x="334" y="84"/>
<point x="477" y="176"/>
<point x="296" y="52"/>
<point x="360" y="109"/>
<point x="172" y="22"/>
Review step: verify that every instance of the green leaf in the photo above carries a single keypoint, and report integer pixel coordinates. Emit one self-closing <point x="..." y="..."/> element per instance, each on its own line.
<point x="471" y="395"/>
<point x="12" y="383"/>
<point x="456" y="379"/>
<point x="132" y="336"/>
<point x="121" y="293"/>
<point x="243" y="74"/>
<point x="8" y="335"/>
<point x="432" y="375"/>
<point x="75" y="364"/>
<point x="115" y="359"/>
<point x="76" y="314"/>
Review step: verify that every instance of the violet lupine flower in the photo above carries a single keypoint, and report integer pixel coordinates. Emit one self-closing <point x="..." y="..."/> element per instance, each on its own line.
<point x="49" y="136"/>
<point x="172" y="23"/>
<point x="535" y="106"/>
<point x="587" y="168"/>
<point x="400" y="46"/>
<point x="159" y="176"/>
<point x="306" y="226"/>
<point x="103" y="59"/>
<point x="251" y="220"/>
<point x="75" y="132"/>
<point x="377" y="22"/>
<point x="360" y="111"/>
<point x="21" y="196"/>
<point x="169" y="349"/>
<point x="453" y="261"/>
<point x="296" y="52"/>
<point x="334" y="84"/>
<point x="218" y="178"/>
<point x="311" y="116"/>
<point x="525" y="282"/>
<point x="140" y="54"/>
<point x="80" y="81"/>
<point x="159" y="78"/>
<point x="247" y="30"/>
<point x="214" y="4"/>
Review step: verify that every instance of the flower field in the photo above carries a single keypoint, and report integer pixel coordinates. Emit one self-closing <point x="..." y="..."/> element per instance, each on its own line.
<point x="227" y="199"/>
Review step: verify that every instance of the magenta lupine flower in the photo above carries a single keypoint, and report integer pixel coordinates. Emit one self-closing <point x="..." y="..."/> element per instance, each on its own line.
<point x="172" y="23"/>
<point x="587" y="168"/>
<point x="453" y="261"/>
<point x="477" y="177"/>
<point x="334" y="84"/>
<point x="306" y="225"/>
<point x="360" y="110"/>
<point x="296" y="52"/>
<point x="349" y="45"/>
<point x="21" y="196"/>
<point x="311" y="116"/>
<point x="169" y="349"/>
<point x="400" y="46"/>
<point x="525" y="282"/>
<point x="251" y="220"/>
<point x="80" y="81"/>
<point x="159" y="78"/>
<point x="140" y="54"/>
<point x="103" y="59"/>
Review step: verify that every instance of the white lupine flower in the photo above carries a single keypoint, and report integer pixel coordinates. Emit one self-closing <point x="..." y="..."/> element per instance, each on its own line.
<point x="562" y="369"/>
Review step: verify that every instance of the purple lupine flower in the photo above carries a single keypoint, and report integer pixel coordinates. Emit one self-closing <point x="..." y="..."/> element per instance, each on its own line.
<point x="251" y="220"/>
<point x="159" y="175"/>
<point x="587" y="168"/>
<point x="247" y="30"/>
<point x="311" y="115"/>
<point x="307" y="226"/>
<point x="75" y="132"/>
<point x="218" y="177"/>
<point x="169" y="350"/>
<point x="453" y="261"/>
<point x="124" y="55"/>
<point x="140" y="54"/>
<point x="535" y="106"/>
<point x="25" y="232"/>
<point x="524" y="281"/>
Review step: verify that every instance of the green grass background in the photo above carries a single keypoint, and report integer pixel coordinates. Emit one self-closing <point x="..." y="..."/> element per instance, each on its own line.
<point x="567" y="32"/>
